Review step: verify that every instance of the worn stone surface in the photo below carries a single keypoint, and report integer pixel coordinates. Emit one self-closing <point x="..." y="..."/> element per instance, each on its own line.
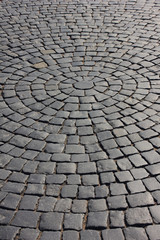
<point x="79" y="119"/>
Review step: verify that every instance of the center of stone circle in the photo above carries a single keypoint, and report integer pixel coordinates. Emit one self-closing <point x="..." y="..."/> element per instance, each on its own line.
<point x="84" y="85"/>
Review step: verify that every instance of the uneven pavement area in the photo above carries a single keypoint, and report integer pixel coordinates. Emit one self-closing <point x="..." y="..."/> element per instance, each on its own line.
<point x="80" y="120"/>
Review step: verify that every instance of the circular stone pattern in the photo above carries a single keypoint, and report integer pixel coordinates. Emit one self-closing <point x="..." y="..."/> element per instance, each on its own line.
<point x="80" y="122"/>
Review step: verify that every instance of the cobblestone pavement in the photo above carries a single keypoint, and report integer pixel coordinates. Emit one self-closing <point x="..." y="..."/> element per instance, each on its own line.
<point x="80" y="120"/>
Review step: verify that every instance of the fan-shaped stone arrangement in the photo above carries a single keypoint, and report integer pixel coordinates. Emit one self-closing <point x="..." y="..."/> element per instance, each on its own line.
<point x="80" y="120"/>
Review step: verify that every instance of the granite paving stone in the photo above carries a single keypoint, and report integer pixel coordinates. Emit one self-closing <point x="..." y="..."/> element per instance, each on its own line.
<point x="97" y="220"/>
<point x="53" y="190"/>
<point x="112" y="234"/>
<point x="69" y="191"/>
<point x="51" y="221"/>
<point x="117" y="219"/>
<point x="79" y="120"/>
<point x="74" y="179"/>
<point x="11" y="201"/>
<point x="6" y="216"/>
<point x="48" y="235"/>
<point x="46" y="204"/>
<point x="135" y="233"/>
<point x="153" y="231"/>
<point x="90" y="234"/>
<point x="63" y="205"/>
<point x="136" y="186"/>
<point x="8" y="232"/>
<point x="140" y="199"/>
<point x="117" y="202"/>
<point x="26" y="219"/>
<point x="86" y="192"/>
<point x="138" y="216"/>
<point x="90" y="180"/>
<point x="79" y="206"/>
<point x="27" y="233"/>
<point x="70" y="235"/>
<point x="97" y="205"/>
<point x="29" y="202"/>
<point x="155" y="213"/>
<point x="73" y="221"/>
<point x="35" y="189"/>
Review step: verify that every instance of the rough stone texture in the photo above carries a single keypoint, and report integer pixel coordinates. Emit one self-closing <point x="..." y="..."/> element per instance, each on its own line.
<point x="138" y="216"/>
<point x="70" y="235"/>
<point x="79" y="119"/>
<point x="26" y="219"/>
<point x="153" y="232"/>
<point x="8" y="232"/>
<point x="27" y="233"/>
<point x="73" y="221"/>
<point x="49" y="235"/>
<point x="97" y="220"/>
<point x="112" y="234"/>
<point x="51" y="221"/>
<point x="90" y="235"/>
<point x="133" y="233"/>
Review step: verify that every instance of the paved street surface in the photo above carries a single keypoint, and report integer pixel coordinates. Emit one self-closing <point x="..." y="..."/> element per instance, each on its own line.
<point x="80" y="120"/>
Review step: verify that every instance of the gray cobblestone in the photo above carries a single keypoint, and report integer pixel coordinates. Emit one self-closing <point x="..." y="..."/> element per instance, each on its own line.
<point x="70" y="235"/>
<point x="53" y="190"/>
<point x="18" y="177"/>
<point x="97" y="220"/>
<point x="28" y="202"/>
<point x="140" y="199"/>
<point x="46" y="235"/>
<point x="27" y="233"/>
<point x="51" y="221"/>
<point x="84" y="168"/>
<point x="56" y="179"/>
<point x="139" y="173"/>
<point x="86" y="192"/>
<point x="73" y="221"/>
<point x="135" y="233"/>
<point x="35" y="189"/>
<point x="69" y="191"/>
<point x="151" y="184"/>
<point x="79" y="206"/>
<point x="139" y="216"/>
<point x="155" y="213"/>
<point x="74" y="179"/>
<point x="153" y="232"/>
<point x="101" y="191"/>
<point x="46" y="204"/>
<point x="8" y="232"/>
<point x="90" y="180"/>
<point x="97" y="205"/>
<point x="90" y="235"/>
<point x="136" y="186"/>
<point x="26" y="219"/>
<point x="13" y="187"/>
<point x="63" y="205"/>
<point x="11" y="201"/>
<point x="117" y="219"/>
<point x="117" y="202"/>
<point x="118" y="189"/>
<point x="112" y="234"/>
<point x="6" y="216"/>
<point x="16" y="164"/>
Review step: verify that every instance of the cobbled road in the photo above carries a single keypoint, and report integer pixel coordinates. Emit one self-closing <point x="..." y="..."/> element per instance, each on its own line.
<point x="80" y="120"/>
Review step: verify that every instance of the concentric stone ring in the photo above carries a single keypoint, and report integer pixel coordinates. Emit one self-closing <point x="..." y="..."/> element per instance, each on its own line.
<point x="79" y="120"/>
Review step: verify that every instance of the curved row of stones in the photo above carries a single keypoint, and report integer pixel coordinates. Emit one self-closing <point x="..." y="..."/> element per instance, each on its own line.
<point x="80" y="122"/>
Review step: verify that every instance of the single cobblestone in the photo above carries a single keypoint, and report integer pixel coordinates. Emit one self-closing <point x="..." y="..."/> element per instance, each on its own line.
<point x="51" y="221"/>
